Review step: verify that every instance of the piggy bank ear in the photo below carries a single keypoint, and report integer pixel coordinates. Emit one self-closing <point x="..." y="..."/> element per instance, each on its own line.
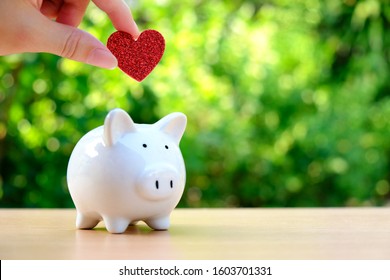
<point x="116" y="124"/>
<point x="174" y="125"/>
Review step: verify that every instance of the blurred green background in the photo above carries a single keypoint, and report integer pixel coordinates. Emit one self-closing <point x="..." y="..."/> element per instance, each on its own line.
<point x="288" y="103"/>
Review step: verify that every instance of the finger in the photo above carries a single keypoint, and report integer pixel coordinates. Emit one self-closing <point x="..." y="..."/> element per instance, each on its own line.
<point x="120" y="15"/>
<point x="50" y="8"/>
<point x="70" y="42"/>
<point x="72" y="12"/>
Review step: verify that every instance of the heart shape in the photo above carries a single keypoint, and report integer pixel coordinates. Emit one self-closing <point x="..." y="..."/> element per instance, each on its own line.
<point x="137" y="58"/>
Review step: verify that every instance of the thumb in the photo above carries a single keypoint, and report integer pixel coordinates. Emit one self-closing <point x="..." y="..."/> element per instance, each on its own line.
<point x="70" y="42"/>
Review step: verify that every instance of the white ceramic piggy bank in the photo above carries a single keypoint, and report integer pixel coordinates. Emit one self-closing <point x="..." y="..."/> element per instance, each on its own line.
<point x="125" y="172"/>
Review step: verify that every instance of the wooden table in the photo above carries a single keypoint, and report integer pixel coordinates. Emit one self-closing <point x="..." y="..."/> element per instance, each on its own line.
<point x="289" y="233"/>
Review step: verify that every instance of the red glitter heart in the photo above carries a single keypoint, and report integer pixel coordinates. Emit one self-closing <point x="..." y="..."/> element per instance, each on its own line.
<point x="137" y="58"/>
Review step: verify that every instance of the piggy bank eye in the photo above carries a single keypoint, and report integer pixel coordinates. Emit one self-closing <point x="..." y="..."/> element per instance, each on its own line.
<point x="166" y="147"/>
<point x="144" y="145"/>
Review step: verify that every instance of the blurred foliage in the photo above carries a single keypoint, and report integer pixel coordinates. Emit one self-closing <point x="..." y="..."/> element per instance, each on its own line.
<point x="288" y="103"/>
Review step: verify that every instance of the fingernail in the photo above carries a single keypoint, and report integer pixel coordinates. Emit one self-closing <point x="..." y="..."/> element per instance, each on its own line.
<point x="102" y="58"/>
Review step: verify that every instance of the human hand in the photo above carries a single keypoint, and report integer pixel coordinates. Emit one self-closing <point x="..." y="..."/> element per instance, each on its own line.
<point x="28" y="26"/>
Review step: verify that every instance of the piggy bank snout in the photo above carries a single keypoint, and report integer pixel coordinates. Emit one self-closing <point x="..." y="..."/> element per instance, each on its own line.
<point x="159" y="182"/>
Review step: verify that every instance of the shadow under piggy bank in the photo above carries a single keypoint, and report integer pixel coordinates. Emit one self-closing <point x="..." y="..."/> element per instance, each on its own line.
<point x="137" y="242"/>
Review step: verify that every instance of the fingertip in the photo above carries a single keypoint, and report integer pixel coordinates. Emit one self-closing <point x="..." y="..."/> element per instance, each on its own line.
<point x="102" y="58"/>
<point x="120" y="14"/>
<point x="130" y="27"/>
<point x="134" y="30"/>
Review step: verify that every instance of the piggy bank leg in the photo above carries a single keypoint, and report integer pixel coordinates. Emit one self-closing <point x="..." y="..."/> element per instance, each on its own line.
<point x="116" y="225"/>
<point x="86" y="222"/>
<point x="161" y="223"/>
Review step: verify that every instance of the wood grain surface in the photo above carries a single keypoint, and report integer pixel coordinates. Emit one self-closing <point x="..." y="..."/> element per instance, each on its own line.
<point x="261" y="233"/>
